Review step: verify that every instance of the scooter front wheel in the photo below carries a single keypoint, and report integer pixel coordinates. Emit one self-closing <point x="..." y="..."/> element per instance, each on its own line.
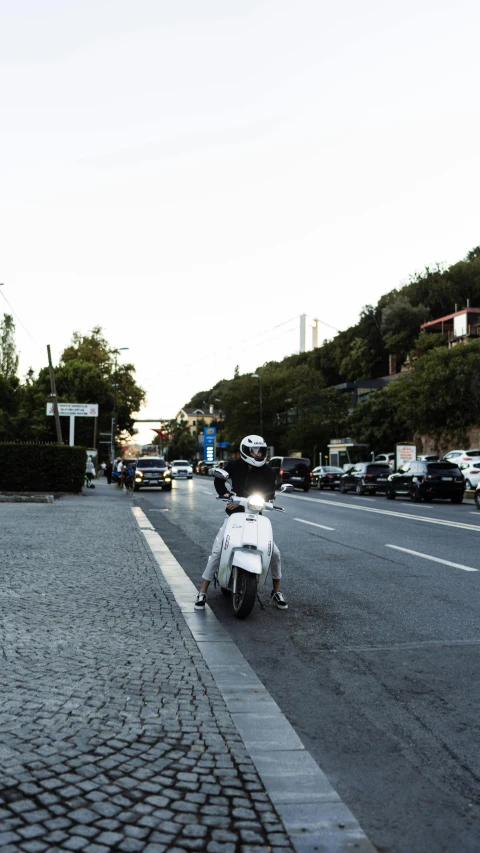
<point x="243" y="599"/>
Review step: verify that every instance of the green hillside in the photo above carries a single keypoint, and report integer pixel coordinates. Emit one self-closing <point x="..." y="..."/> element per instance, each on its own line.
<point x="301" y="408"/>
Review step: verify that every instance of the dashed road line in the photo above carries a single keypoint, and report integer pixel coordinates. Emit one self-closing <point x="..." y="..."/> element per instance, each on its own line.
<point x="444" y="522"/>
<point x="313" y="524"/>
<point x="434" y="559"/>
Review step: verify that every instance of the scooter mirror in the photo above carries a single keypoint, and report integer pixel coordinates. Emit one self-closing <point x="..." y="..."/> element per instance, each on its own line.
<point x="220" y="473"/>
<point x="287" y="487"/>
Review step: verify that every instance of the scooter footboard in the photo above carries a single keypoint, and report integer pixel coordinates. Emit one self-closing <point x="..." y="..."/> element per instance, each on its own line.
<point x="249" y="561"/>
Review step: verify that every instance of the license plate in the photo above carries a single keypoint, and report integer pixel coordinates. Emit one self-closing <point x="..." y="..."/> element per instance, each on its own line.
<point x="382" y="480"/>
<point x="297" y="478"/>
<point x="447" y="478"/>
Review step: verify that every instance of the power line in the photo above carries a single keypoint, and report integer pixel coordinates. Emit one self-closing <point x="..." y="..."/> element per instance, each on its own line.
<point x="18" y="318"/>
<point x="236" y="346"/>
<point x="327" y="324"/>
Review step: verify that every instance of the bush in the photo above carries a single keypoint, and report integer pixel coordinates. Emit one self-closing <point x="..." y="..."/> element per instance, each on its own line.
<point x="41" y="467"/>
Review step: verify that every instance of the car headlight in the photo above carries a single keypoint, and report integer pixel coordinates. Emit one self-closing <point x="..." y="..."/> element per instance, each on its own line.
<point x="256" y="502"/>
<point x="139" y="476"/>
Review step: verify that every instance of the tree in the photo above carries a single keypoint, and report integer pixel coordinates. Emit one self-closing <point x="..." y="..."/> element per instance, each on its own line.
<point x="379" y="422"/>
<point x="181" y="443"/>
<point x="8" y="351"/>
<point x="401" y="323"/>
<point x="85" y="374"/>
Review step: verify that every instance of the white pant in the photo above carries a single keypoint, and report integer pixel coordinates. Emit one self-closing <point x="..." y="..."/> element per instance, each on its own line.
<point x="214" y="559"/>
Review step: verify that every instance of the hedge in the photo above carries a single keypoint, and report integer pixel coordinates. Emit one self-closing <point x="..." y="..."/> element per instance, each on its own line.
<point x="36" y="467"/>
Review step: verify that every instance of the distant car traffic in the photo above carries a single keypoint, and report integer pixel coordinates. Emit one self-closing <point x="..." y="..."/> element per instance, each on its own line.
<point x="326" y="477"/>
<point x="462" y="456"/>
<point x="366" y="477"/>
<point x="386" y="457"/>
<point x="291" y="469"/>
<point x="152" y="471"/>
<point x="477" y="496"/>
<point x="181" y="469"/>
<point x="213" y="465"/>
<point x="426" y="481"/>
<point x="204" y="467"/>
<point x="471" y="473"/>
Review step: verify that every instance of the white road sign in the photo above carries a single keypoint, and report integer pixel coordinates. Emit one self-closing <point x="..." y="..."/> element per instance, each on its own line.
<point x="80" y="410"/>
<point x="406" y="452"/>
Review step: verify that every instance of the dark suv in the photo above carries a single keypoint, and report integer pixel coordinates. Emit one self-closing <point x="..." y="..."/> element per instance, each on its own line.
<point x="366" y="477"/>
<point x="152" y="471"/>
<point x="427" y="480"/>
<point x="291" y="469"/>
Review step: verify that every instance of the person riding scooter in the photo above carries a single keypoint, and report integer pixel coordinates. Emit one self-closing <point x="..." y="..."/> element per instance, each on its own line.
<point x="248" y="476"/>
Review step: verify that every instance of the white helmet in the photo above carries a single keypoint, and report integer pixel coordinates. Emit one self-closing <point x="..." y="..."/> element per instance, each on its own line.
<point x="253" y="450"/>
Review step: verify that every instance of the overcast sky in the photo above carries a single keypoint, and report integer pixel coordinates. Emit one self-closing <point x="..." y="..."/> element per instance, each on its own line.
<point x="192" y="175"/>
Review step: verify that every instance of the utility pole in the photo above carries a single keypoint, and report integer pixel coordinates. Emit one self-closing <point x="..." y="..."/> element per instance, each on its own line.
<point x="54" y="397"/>
<point x="116" y="353"/>
<point x="303" y="331"/>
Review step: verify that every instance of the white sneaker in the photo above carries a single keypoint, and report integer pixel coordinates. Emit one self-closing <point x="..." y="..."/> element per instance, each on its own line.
<point x="200" y="601"/>
<point x="279" y="601"/>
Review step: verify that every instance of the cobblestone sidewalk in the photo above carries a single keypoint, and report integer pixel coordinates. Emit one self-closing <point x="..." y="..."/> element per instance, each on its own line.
<point x="113" y="735"/>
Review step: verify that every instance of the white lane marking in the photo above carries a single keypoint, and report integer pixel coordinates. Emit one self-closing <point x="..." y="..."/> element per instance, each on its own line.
<point x="434" y="559"/>
<point x="302" y="520"/>
<point x="446" y="523"/>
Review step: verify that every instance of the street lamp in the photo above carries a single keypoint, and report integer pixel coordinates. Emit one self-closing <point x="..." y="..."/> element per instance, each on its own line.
<point x="257" y="376"/>
<point x="116" y="353"/>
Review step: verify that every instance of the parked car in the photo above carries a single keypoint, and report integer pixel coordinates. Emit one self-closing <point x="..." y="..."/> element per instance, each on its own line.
<point x="326" y="477"/>
<point x="462" y="456"/>
<point x="477" y="496"/>
<point x="210" y="472"/>
<point x="152" y="471"/>
<point x="204" y="467"/>
<point x="365" y="477"/>
<point x="386" y="457"/>
<point x="426" y="481"/>
<point x="291" y="469"/>
<point x="428" y="457"/>
<point x="181" y="469"/>
<point x="471" y="473"/>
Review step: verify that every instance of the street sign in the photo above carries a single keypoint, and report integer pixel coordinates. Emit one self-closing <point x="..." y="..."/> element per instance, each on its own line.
<point x="209" y="440"/>
<point x="79" y="410"/>
<point x="405" y="452"/>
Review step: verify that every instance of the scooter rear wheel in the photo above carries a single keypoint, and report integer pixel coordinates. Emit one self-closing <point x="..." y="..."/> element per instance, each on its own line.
<point x="243" y="599"/>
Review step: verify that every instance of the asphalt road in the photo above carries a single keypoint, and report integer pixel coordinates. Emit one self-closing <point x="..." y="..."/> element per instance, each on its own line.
<point x="376" y="661"/>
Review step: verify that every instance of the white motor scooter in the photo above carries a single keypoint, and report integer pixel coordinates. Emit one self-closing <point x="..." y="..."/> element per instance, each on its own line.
<point x="247" y="549"/>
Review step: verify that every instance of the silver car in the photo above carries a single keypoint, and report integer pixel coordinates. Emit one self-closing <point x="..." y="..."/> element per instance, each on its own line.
<point x="181" y="470"/>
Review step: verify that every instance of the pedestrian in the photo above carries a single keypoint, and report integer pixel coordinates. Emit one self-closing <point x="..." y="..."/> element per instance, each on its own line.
<point x="90" y="469"/>
<point x="103" y="466"/>
<point x="108" y="471"/>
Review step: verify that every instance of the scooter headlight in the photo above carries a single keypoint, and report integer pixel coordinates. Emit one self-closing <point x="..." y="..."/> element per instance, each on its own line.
<point x="256" y="502"/>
